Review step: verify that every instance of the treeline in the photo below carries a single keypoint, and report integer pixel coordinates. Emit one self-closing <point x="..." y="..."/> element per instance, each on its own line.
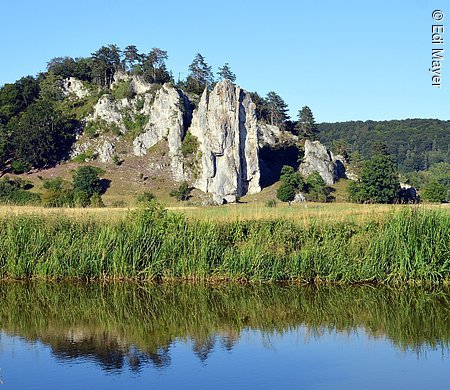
<point x="35" y="130"/>
<point x="414" y="144"/>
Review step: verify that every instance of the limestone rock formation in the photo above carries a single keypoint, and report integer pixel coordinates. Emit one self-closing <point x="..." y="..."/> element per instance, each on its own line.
<point x="137" y="83"/>
<point x="318" y="159"/>
<point x="225" y="125"/>
<point x="167" y="120"/>
<point x="102" y="148"/>
<point x="74" y="87"/>
<point x="110" y="111"/>
<point x="272" y="135"/>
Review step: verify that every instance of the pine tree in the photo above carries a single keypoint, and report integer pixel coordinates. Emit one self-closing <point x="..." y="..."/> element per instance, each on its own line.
<point x="105" y="62"/>
<point x="131" y="56"/>
<point x="226" y="73"/>
<point x="200" y="75"/>
<point x="306" y="125"/>
<point x="277" y="109"/>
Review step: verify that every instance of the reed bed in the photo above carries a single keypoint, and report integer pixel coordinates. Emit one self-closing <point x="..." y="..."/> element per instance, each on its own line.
<point x="411" y="245"/>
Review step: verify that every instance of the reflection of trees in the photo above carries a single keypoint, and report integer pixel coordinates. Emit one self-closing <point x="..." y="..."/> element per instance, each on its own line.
<point x="123" y="326"/>
<point x="202" y="348"/>
<point x="108" y="354"/>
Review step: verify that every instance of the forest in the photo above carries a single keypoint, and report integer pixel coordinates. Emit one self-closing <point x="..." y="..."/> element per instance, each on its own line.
<point x="414" y="144"/>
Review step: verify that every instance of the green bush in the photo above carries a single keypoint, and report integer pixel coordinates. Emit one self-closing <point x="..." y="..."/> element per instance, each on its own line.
<point x="59" y="193"/>
<point x="19" y="167"/>
<point x="134" y="124"/>
<point x="14" y="192"/>
<point x="271" y="203"/>
<point x="182" y="193"/>
<point x="118" y="203"/>
<point x="317" y="190"/>
<point x="96" y="200"/>
<point x="286" y="192"/>
<point x="117" y="160"/>
<point x="291" y="177"/>
<point x="434" y="192"/>
<point x="81" y="199"/>
<point x="190" y="145"/>
<point x="86" y="179"/>
<point x="145" y="197"/>
<point x="123" y="90"/>
<point x="83" y="157"/>
<point x="91" y="129"/>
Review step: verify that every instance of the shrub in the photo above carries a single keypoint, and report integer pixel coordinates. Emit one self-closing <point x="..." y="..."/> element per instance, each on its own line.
<point x="85" y="179"/>
<point x="90" y="129"/>
<point x="123" y="90"/>
<point x="145" y="197"/>
<point x="19" y="167"/>
<point x="117" y="160"/>
<point x="182" y="193"/>
<point x="379" y="181"/>
<point x="190" y="145"/>
<point x="271" y="203"/>
<point x="96" y="200"/>
<point x="88" y="155"/>
<point x="118" y="203"/>
<point x="291" y="177"/>
<point x="317" y="190"/>
<point x="14" y="192"/>
<point x="80" y="199"/>
<point x="59" y="193"/>
<point x="286" y="192"/>
<point x="434" y="192"/>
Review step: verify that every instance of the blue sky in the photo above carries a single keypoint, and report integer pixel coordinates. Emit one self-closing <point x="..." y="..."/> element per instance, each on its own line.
<point x="347" y="60"/>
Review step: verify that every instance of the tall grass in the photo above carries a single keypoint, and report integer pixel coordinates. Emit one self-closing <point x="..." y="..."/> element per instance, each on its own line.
<point x="411" y="245"/>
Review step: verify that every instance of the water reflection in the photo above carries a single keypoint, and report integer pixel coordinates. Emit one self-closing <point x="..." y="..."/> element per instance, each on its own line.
<point x="121" y="326"/>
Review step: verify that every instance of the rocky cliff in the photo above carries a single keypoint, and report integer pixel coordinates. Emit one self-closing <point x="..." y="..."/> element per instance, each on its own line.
<point x="225" y="124"/>
<point x="231" y="147"/>
<point x="318" y="158"/>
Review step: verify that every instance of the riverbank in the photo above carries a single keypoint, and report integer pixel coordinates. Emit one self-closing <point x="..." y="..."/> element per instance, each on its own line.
<point x="156" y="244"/>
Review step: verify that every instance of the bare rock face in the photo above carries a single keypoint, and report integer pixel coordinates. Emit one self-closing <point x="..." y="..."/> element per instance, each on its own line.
<point x="318" y="159"/>
<point x="110" y="111"/>
<point x="102" y="148"/>
<point x="225" y="125"/>
<point x="137" y="83"/>
<point x="74" y="87"/>
<point x="166" y="121"/>
<point x="272" y="135"/>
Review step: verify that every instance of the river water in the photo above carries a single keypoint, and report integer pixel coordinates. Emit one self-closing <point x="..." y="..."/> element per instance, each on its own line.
<point x="190" y="336"/>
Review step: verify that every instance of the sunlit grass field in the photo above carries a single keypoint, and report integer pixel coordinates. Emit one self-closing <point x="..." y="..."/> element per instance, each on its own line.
<point x="300" y="213"/>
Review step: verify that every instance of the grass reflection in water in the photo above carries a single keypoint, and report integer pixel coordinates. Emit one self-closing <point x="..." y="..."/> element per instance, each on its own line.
<point x="131" y="324"/>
